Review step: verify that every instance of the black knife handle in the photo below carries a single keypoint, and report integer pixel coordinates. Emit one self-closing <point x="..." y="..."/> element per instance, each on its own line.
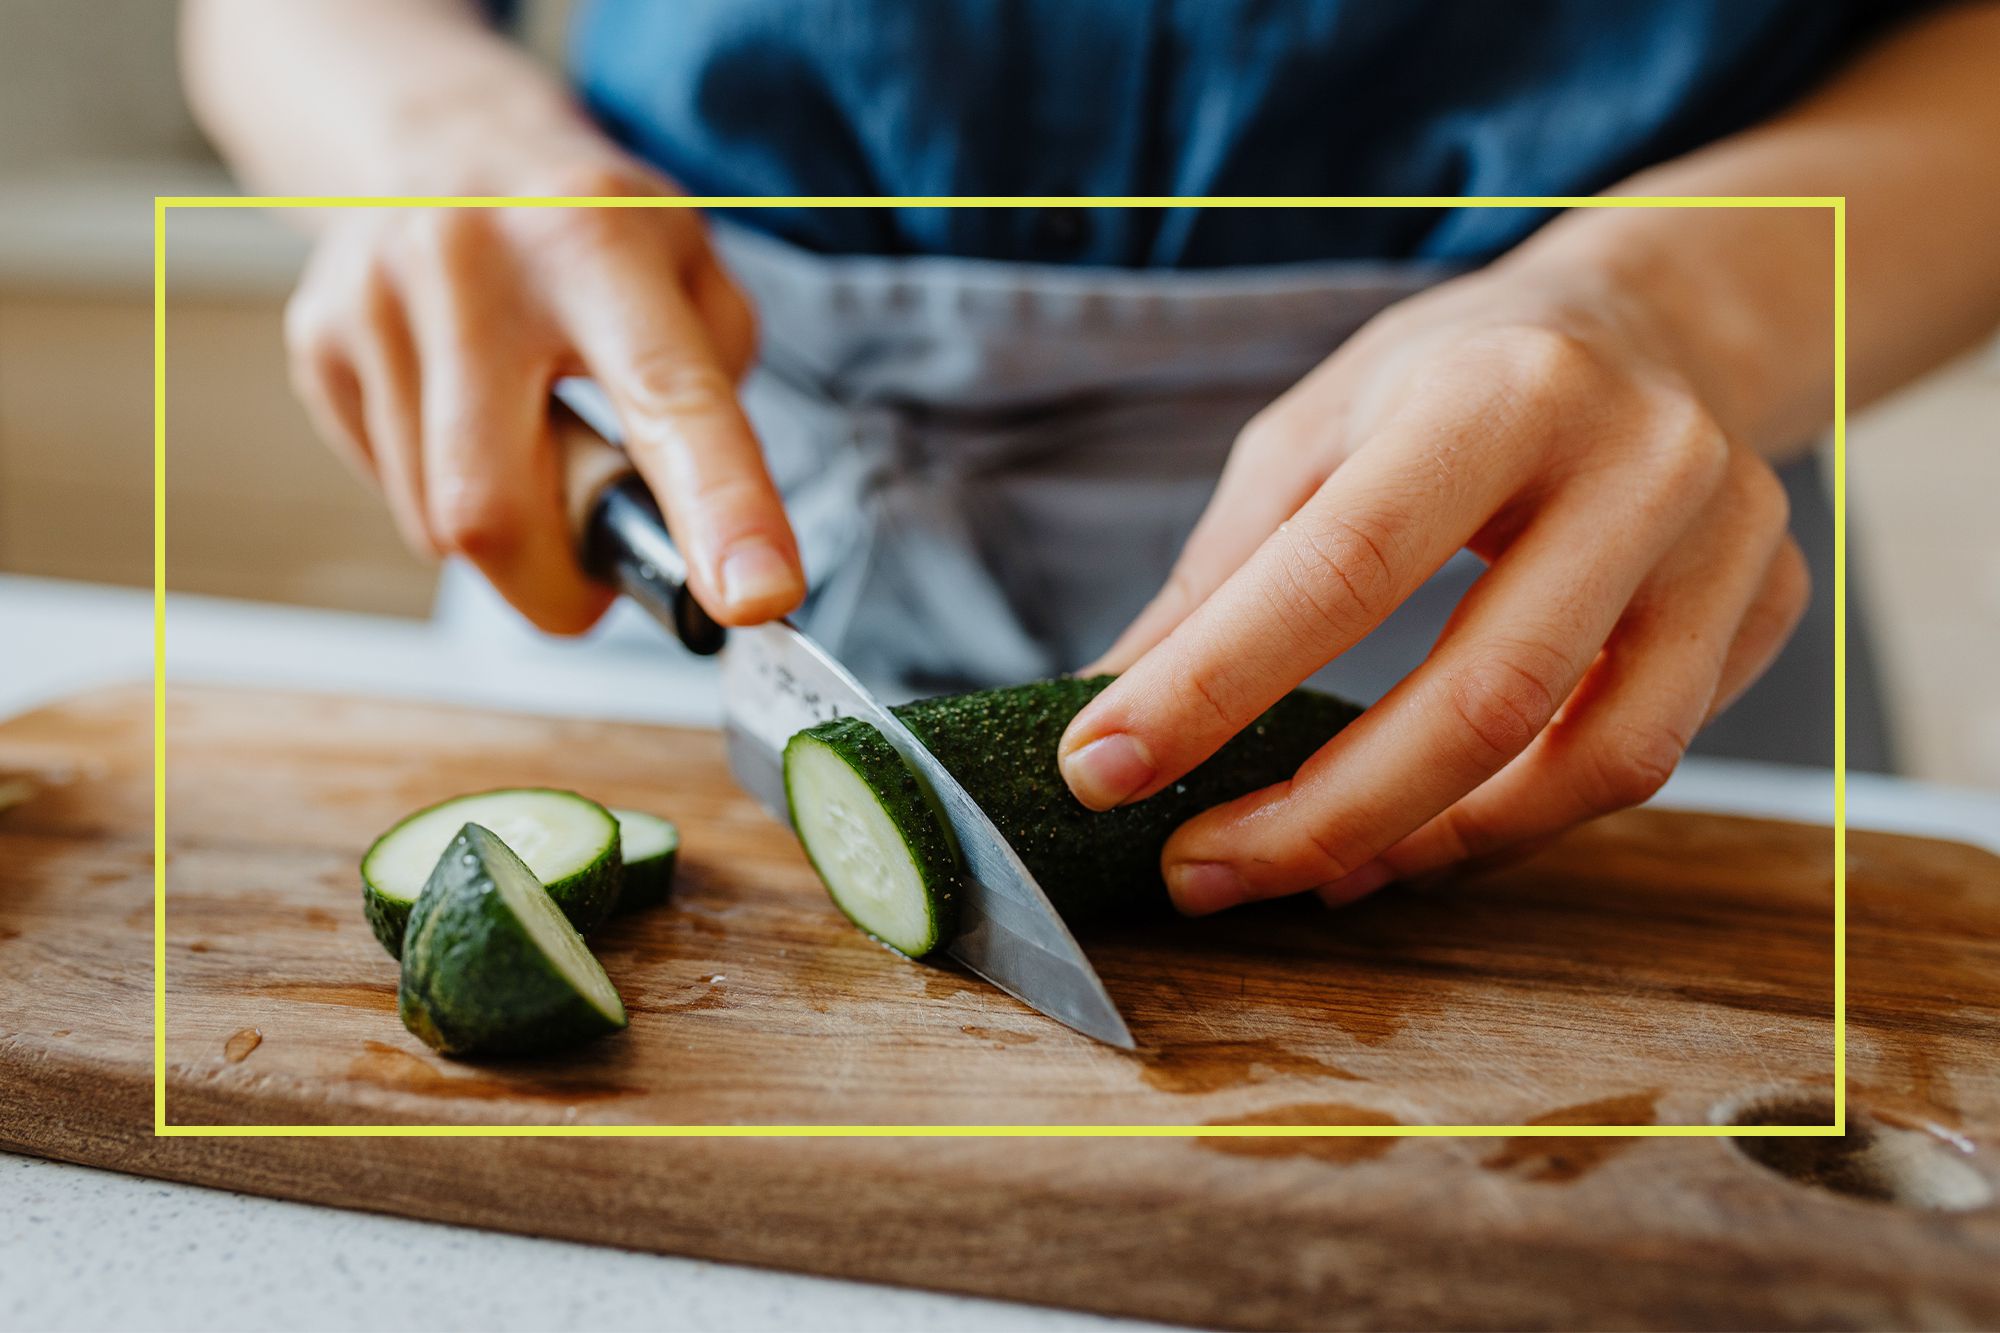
<point x="620" y="537"/>
<point x="625" y="544"/>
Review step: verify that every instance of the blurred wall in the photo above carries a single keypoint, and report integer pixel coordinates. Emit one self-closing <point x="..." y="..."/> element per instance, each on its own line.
<point x="1923" y="485"/>
<point x="91" y="126"/>
<point x="90" y="79"/>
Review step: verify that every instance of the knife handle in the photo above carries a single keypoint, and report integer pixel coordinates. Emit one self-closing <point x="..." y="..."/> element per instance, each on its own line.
<point x="619" y="534"/>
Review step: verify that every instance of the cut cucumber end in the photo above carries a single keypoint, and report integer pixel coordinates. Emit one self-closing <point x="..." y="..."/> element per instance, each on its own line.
<point x="569" y="842"/>
<point x="870" y="830"/>
<point x="550" y="931"/>
<point x="1002" y="747"/>
<point x="491" y="965"/>
<point x="651" y="846"/>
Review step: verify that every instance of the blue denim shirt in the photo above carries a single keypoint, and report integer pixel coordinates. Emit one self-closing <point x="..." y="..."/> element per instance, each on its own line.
<point x="1190" y="97"/>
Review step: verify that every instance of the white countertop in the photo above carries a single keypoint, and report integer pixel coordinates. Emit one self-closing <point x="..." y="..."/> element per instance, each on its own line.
<point x="164" y="1255"/>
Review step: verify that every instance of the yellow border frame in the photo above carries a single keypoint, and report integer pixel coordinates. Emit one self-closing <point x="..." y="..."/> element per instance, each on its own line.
<point x="1838" y="205"/>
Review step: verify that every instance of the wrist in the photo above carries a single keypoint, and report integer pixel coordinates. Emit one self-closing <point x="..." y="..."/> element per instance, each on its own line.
<point x="1736" y="302"/>
<point x="498" y="147"/>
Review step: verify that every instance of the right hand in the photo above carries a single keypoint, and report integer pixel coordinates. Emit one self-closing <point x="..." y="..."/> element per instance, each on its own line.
<point x="425" y="341"/>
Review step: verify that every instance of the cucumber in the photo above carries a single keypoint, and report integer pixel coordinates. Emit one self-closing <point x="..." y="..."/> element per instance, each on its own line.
<point x="868" y="826"/>
<point x="884" y="852"/>
<point x="569" y="841"/>
<point x="491" y="966"/>
<point x="650" y="846"/>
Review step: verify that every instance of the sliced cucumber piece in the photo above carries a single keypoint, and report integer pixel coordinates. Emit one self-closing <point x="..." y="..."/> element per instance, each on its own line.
<point x="650" y="845"/>
<point x="873" y="835"/>
<point x="491" y="965"/>
<point x="570" y="843"/>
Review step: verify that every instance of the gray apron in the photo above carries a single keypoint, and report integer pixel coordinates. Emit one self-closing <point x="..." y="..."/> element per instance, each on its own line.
<point x="991" y="467"/>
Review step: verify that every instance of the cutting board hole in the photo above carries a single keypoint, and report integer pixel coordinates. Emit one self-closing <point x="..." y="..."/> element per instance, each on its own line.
<point x="1883" y="1161"/>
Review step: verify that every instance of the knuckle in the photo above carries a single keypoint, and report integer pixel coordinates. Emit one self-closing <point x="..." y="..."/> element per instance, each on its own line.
<point x="1209" y="683"/>
<point x="1630" y="767"/>
<point x="1180" y="592"/>
<point x="1782" y="602"/>
<point x="1505" y="698"/>
<point x="1269" y="434"/>
<point x="315" y="357"/>
<point x="312" y="361"/>
<point x="311" y="374"/>
<point x="586" y="228"/>
<point x="1340" y="575"/>
<point x="1792" y="578"/>
<point x="1543" y="361"/>
<point x="308" y="328"/>
<point x="584" y="231"/>
<point x="733" y="503"/>
<point x="1764" y="497"/>
<point x="1208" y="707"/>
<point x="666" y="387"/>
<point x="1688" y="451"/>
<point x="474" y="521"/>
<point x="375" y="298"/>
<point x="734" y="323"/>
<point x="1339" y="855"/>
<point x="1464" y="834"/>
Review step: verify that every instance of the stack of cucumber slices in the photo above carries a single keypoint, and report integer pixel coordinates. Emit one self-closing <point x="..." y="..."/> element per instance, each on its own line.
<point x="486" y="899"/>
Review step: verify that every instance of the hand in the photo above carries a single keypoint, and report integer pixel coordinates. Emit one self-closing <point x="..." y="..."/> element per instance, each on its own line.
<point x="1640" y="577"/>
<point x="425" y="341"/>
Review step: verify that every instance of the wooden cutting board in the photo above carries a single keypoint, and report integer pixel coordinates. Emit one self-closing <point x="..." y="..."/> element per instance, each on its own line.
<point x="1653" y="968"/>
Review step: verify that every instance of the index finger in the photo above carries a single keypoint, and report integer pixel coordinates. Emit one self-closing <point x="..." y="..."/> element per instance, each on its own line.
<point x="1515" y="649"/>
<point x="1367" y="539"/>
<point x="639" y="336"/>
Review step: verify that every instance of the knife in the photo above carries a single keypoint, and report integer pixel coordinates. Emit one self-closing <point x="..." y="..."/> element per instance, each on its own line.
<point x="776" y="682"/>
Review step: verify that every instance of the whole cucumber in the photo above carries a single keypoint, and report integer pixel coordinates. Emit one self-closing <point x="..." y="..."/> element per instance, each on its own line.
<point x="1001" y="746"/>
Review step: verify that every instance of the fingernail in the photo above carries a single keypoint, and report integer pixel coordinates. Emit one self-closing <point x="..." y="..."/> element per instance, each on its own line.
<point x="1356" y="884"/>
<point x="754" y="570"/>
<point x="1108" y="770"/>
<point x="1201" y="887"/>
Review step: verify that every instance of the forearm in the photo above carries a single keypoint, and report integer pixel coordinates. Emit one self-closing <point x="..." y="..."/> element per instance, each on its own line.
<point x="373" y="97"/>
<point x="1907" y="133"/>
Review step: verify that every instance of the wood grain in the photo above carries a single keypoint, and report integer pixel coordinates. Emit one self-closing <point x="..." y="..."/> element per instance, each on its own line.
<point x="1653" y="968"/>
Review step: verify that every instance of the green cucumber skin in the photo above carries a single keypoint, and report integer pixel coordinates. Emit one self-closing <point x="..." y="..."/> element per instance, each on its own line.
<point x="909" y="807"/>
<point x="1001" y="746"/>
<point x="648" y="883"/>
<point x="388" y="918"/>
<point x="587" y="897"/>
<point x="473" y="980"/>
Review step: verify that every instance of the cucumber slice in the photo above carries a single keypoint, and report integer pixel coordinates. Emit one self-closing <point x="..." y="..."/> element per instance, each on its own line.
<point x="650" y="845"/>
<point x="491" y="965"/>
<point x="570" y="842"/>
<point x="871" y="832"/>
<point x="1001" y="746"/>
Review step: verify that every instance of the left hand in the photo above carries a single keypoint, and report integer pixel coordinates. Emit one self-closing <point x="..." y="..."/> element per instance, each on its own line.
<point x="1641" y="577"/>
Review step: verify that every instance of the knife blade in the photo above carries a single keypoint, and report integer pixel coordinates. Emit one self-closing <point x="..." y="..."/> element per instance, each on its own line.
<point x="777" y="682"/>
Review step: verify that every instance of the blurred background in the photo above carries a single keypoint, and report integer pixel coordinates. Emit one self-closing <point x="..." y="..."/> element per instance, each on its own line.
<point x="94" y="126"/>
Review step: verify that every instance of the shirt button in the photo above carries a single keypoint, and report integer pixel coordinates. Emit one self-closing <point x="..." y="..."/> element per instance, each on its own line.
<point x="1061" y="232"/>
